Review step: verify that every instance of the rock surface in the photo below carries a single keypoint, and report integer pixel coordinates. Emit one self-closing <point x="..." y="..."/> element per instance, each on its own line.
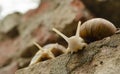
<point x="100" y="57"/>
<point x="19" y="31"/>
<point x="10" y="69"/>
<point x="108" y="9"/>
<point x="12" y="20"/>
<point x="61" y="15"/>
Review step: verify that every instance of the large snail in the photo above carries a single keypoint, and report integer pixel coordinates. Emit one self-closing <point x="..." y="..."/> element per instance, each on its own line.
<point x="91" y="30"/>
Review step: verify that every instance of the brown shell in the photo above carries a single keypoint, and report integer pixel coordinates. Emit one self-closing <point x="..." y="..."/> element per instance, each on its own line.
<point x="96" y="29"/>
<point x="56" y="49"/>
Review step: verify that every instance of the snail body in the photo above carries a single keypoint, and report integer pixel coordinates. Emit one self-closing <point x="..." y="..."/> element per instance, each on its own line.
<point x="96" y="29"/>
<point x="49" y="51"/>
<point x="75" y="42"/>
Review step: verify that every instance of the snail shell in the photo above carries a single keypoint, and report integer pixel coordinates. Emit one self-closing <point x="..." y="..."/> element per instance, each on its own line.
<point x="96" y="29"/>
<point x="49" y="51"/>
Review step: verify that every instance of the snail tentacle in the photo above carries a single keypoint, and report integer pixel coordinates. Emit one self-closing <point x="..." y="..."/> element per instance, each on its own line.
<point x="61" y="34"/>
<point x="78" y="29"/>
<point x="36" y="44"/>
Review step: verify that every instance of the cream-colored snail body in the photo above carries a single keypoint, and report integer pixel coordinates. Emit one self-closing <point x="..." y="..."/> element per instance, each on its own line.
<point x="49" y="51"/>
<point x="96" y="29"/>
<point x="75" y="43"/>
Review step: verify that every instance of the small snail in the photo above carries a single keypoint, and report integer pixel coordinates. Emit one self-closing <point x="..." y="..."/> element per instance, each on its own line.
<point x="49" y="51"/>
<point x="75" y="43"/>
<point x="96" y="29"/>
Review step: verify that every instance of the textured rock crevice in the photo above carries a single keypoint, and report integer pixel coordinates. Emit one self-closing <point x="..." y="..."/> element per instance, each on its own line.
<point x="100" y="57"/>
<point x="106" y="6"/>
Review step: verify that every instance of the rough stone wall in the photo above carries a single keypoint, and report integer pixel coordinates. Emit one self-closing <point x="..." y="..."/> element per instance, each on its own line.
<point x="108" y="9"/>
<point x="100" y="57"/>
<point x="19" y="31"/>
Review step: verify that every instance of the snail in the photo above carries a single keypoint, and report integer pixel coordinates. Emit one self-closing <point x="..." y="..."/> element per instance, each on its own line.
<point x="91" y="30"/>
<point x="96" y="29"/>
<point x="75" y="43"/>
<point x="49" y="51"/>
